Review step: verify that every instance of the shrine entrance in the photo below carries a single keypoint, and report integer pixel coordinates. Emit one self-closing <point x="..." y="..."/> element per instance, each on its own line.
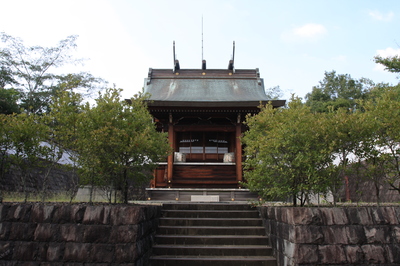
<point x="205" y="146"/>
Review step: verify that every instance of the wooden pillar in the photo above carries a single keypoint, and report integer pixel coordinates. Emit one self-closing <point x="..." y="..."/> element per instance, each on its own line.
<point x="171" y="140"/>
<point x="238" y="158"/>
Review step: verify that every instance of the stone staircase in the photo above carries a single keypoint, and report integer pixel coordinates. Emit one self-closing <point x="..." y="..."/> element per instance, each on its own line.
<point x="211" y="234"/>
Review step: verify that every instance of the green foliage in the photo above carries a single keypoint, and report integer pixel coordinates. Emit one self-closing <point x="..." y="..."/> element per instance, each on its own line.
<point x="117" y="142"/>
<point x="337" y="91"/>
<point x="8" y="101"/>
<point x="384" y="113"/>
<point x="27" y="134"/>
<point x="392" y="64"/>
<point x="287" y="152"/>
<point x="30" y="68"/>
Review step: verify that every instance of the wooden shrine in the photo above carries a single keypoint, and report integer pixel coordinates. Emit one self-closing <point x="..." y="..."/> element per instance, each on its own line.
<point x="203" y="112"/>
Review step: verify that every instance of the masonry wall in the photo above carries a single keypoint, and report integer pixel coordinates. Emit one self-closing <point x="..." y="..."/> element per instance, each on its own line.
<point x="76" y="234"/>
<point x="335" y="236"/>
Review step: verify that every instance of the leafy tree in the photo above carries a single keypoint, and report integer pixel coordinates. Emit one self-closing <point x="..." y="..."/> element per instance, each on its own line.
<point x="63" y="120"/>
<point x="274" y="93"/>
<point x="31" y="68"/>
<point x="27" y="136"/>
<point x="337" y="91"/>
<point x="287" y="153"/>
<point x="349" y="135"/>
<point x="118" y="143"/>
<point x="5" y="146"/>
<point x="9" y="101"/>
<point x="384" y="112"/>
<point x="392" y="64"/>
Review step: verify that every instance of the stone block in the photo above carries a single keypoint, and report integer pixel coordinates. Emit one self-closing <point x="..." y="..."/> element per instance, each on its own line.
<point x="55" y="252"/>
<point x="303" y="216"/>
<point x="77" y="213"/>
<point x="5" y="229"/>
<point x="96" y="233"/>
<point x="6" y="249"/>
<point x="42" y="213"/>
<point x="102" y="253"/>
<point x="374" y="254"/>
<point x="121" y="215"/>
<point x="19" y="213"/>
<point x="98" y="214"/>
<point x="377" y="216"/>
<point x="71" y="232"/>
<point x="335" y="235"/>
<point x="355" y="234"/>
<point x="393" y="253"/>
<point x="77" y="252"/>
<point x="332" y="254"/>
<point x="22" y="231"/>
<point x="3" y="212"/>
<point x="354" y="254"/>
<point x="379" y="235"/>
<point x="288" y="248"/>
<point x="62" y="214"/>
<point x="389" y="214"/>
<point x="283" y="230"/>
<point x="359" y="215"/>
<point x="306" y="254"/>
<point x="125" y="253"/>
<point x="24" y="251"/>
<point x="46" y="232"/>
<point x="124" y="234"/>
<point x="396" y="234"/>
<point x="333" y="216"/>
<point x="306" y="234"/>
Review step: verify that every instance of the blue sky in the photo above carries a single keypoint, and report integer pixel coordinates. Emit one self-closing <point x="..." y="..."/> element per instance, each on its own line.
<point x="292" y="42"/>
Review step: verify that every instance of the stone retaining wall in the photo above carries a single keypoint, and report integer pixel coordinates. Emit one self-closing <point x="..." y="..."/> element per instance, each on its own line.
<point x="78" y="234"/>
<point x="336" y="236"/>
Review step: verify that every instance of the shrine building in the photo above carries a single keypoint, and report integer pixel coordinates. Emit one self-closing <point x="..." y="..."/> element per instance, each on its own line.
<point x="203" y="111"/>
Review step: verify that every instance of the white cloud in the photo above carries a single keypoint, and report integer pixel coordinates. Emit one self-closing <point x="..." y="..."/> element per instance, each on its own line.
<point x="388" y="52"/>
<point x="310" y="31"/>
<point x="382" y="17"/>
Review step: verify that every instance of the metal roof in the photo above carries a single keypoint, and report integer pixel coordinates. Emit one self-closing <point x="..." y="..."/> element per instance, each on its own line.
<point x="213" y="87"/>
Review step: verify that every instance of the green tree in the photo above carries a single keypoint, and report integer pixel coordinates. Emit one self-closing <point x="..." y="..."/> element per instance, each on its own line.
<point x="9" y="101"/>
<point x="63" y="119"/>
<point x="28" y="133"/>
<point x="392" y="64"/>
<point x="118" y="143"/>
<point x="349" y="135"/>
<point x="31" y="67"/>
<point x="337" y="91"/>
<point x="287" y="154"/>
<point x="5" y="146"/>
<point x="384" y="112"/>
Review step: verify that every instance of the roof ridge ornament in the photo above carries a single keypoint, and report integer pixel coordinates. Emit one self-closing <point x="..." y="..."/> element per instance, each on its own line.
<point x="176" y="61"/>
<point x="231" y="65"/>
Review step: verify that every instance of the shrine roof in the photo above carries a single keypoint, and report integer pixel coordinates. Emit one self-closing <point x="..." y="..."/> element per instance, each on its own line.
<point x="209" y="87"/>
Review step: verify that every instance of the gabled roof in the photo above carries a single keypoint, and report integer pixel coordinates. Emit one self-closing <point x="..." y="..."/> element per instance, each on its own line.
<point x="206" y="88"/>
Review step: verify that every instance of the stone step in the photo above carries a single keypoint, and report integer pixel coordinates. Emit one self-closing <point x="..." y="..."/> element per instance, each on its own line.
<point x="209" y="206"/>
<point x="171" y="260"/>
<point x="211" y="234"/>
<point x="211" y="240"/>
<point x="212" y="230"/>
<point x="183" y="221"/>
<point x="212" y="213"/>
<point x="212" y="250"/>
